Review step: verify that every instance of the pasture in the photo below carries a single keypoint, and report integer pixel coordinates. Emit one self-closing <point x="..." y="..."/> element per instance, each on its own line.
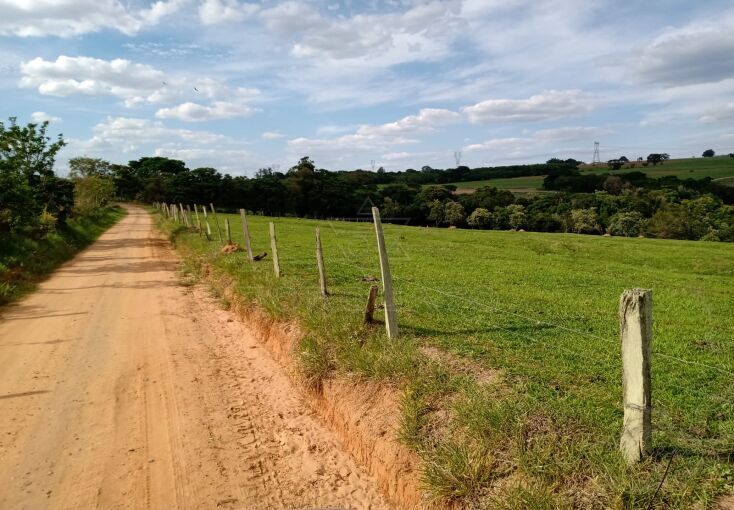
<point x="508" y="356"/>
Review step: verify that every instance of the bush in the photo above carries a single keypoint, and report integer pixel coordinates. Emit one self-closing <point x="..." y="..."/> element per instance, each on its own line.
<point x="480" y="218"/>
<point x="585" y="221"/>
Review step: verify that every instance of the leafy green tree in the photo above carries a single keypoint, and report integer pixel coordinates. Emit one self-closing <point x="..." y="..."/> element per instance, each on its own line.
<point x="93" y="192"/>
<point x="708" y="153"/>
<point x="28" y="148"/>
<point x="517" y="218"/>
<point x="627" y="224"/>
<point x="585" y="221"/>
<point x="18" y="208"/>
<point x="82" y="166"/>
<point x="436" y="212"/>
<point x="454" y="213"/>
<point x="479" y="218"/>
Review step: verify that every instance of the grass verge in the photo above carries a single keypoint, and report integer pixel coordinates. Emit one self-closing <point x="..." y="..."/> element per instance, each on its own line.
<point x="540" y="312"/>
<point x="25" y="261"/>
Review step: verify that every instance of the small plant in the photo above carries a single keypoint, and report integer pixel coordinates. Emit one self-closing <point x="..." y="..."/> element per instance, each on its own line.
<point x="47" y="222"/>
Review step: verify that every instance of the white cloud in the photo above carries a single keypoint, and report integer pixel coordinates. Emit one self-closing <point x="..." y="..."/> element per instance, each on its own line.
<point x="213" y="12"/>
<point x="564" y="134"/>
<point x="131" y="82"/>
<point x="272" y="135"/>
<point x="39" y="117"/>
<point x="194" y="112"/>
<point x="721" y="113"/>
<point x="373" y="138"/>
<point x="552" y="104"/>
<point x="508" y="146"/>
<point x="696" y="53"/>
<point x="66" y="18"/>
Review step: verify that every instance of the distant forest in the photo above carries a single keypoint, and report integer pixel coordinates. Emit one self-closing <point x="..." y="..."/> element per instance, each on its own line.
<point x="626" y="204"/>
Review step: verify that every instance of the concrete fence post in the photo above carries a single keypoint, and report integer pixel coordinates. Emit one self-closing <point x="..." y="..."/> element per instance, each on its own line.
<point x="246" y="234"/>
<point x="196" y="212"/>
<point x="208" y="231"/>
<point x="391" y="322"/>
<point x="320" y="264"/>
<point x="274" y="248"/>
<point x="635" y="321"/>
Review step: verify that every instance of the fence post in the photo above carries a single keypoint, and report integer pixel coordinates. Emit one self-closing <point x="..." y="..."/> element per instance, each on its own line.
<point x="246" y="234"/>
<point x="201" y="231"/>
<point x="635" y="322"/>
<point x="196" y="212"/>
<point x="216" y="222"/>
<point x="183" y="213"/>
<point x="320" y="264"/>
<point x="370" y="308"/>
<point x="391" y="322"/>
<point x="274" y="248"/>
<point x="227" y="231"/>
<point x="208" y="231"/>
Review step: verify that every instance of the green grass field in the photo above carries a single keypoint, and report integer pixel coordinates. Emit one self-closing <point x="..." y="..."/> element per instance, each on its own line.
<point x="509" y="356"/>
<point x="720" y="167"/>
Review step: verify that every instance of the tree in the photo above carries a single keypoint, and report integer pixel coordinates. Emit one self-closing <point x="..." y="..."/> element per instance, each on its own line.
<point x="479" y="218"/>
<point x="627" y="224"/>
<point x="615" y="164"/>
<point x="29" y="149"/>
<point x="18" y="208"/>
<point x="454" y="213"/>
<point x="613" y="185"/>
<point x="708" y="153"/>
<point x="93" y="192"/>
<point x="517" y="218"/>
<point x="83" y="166"/>
<point x="436" y="212"/>
<point x="585" y="221"/>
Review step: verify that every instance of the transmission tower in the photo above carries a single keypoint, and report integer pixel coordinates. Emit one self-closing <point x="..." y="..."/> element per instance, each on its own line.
<point x="457" y="158"/>
<point x="597" y="158"/>
<point x="373" y="162"/>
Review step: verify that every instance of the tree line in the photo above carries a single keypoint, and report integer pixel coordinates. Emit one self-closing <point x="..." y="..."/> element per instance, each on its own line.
<point x="33" y="199"/>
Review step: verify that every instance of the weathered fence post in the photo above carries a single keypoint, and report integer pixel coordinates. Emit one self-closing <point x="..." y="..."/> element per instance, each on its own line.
<point x="369" y="310"/>
<point x="246" y="234"/>
<point x="391" y="322"/>
<point x="201" y="231"/>
<point x="216" y="222"/>
<point x="274" y="248"/>
<point x="227" y="231"/>
<point x="196" y="212"/>
<point x="635" y="321"/>
<point x="320" y="264"/>
<point x="208" y="231"/>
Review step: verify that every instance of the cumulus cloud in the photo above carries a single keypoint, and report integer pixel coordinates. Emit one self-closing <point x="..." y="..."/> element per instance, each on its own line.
<point x="272" y="135"/>
<point x="213" y="12"/>
<point x="722" y="113"/>
<point x="194" y="112"/>
<point x="39" y="117"/>
<point x="549" y="105"/>
<point x="418" y="31"/>
<point x="696" y="53"/>
<point x="135" y="84"/>
<point x="66" y="18"/>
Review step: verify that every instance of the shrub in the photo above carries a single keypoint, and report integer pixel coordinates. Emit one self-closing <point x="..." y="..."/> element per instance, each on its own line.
<point x="479" y="218"/>
<point x="627" y="224"/>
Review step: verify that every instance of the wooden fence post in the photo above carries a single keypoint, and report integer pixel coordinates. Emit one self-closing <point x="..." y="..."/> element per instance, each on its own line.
<point x="201" y="231"/>
<point x="635" y="321"/>
<point x="196" y="212"/>
<point x="274" y="248"/>
<point x="208" y="231"/>
<point x="216" y="222"/>
<point x="246" y="234"/>
<point x="227" y="231"/>
<point x="391" y="322"/>
<point x="320" y="264"/>
<point x="183" y="213"/>
<point x="370" y="308"/>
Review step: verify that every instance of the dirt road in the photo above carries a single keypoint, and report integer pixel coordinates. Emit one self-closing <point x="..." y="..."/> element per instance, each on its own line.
<point x="121" y="388"/>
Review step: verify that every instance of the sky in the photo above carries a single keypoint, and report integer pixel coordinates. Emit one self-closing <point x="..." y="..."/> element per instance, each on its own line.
<point x="240" y="85"/>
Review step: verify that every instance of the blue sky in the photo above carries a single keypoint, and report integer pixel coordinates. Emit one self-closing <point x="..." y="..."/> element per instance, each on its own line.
<point x="240" y="85"/>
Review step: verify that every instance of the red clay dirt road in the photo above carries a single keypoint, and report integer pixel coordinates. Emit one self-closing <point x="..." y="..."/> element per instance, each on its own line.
<point x="121" y="388"/>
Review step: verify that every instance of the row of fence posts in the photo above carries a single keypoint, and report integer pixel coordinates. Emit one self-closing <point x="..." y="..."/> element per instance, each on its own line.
<point x="635" y="322"/>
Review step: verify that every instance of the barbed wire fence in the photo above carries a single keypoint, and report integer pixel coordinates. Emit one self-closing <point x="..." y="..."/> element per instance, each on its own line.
<point x="663" y="410"/>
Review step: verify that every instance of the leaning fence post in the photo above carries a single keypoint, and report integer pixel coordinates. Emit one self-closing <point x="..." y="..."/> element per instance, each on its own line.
<point x="635" y="321"/>
<point x="196" y="212"/>
<point x="391" y="322"/>
<point x="183" y="213"/>
<point x="246" y="234"/>
<point x="274" y="248"/>
<point x="208" y="231"/>
<point x="227" y="231"/>
<point x="320" y="264"/>
<point x="216" y="222"/>
<point x="369" y="310"/>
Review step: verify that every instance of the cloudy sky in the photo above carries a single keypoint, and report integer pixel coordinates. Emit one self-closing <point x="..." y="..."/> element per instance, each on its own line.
<point x="239" y="85"/>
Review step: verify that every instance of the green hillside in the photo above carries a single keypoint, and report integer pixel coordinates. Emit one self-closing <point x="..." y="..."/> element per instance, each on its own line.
<point x="509" y="357"/>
